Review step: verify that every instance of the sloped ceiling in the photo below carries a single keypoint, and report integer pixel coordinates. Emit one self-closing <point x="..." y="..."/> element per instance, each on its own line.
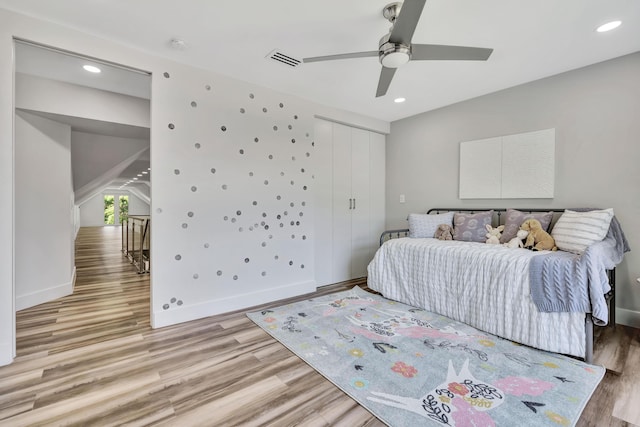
<point x="532" y="40"/>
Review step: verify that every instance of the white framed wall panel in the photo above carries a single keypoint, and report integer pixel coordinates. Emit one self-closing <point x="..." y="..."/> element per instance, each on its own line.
<point x="481" y="169"/>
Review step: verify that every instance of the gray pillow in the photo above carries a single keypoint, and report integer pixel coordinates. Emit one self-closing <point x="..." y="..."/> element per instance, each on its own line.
<point x="471" y="227"/>
<point x="425" y="225"/>
<point x="515" y="218"/>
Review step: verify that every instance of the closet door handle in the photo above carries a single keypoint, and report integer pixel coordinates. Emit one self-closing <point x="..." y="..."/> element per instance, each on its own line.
<point x="354" y="203"/>
<point x="350" y="204"/>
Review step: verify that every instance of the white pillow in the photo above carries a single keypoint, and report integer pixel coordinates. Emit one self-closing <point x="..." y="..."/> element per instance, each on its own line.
<point x="425" y="225"/>
<point x="574" y="231"/>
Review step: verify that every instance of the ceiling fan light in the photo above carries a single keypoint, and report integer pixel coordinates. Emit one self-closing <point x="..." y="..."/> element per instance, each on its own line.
<point x="395" y="59"/>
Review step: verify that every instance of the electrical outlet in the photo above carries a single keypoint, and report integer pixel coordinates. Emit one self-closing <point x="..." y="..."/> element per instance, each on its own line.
<point x="402" y="199"/>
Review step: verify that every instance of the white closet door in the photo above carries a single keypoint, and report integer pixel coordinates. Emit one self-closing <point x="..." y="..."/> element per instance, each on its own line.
<point x="361" y="212"/>
<point x="341" y="253"/>
<point x="323" y="201"/>
<point x="377" y="183"/>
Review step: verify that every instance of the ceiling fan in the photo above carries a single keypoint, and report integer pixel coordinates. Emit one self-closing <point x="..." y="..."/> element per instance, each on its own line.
<point x="395" y="48"/>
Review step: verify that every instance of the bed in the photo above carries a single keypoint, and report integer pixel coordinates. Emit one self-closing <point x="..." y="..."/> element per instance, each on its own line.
<point x="489" y="286"/>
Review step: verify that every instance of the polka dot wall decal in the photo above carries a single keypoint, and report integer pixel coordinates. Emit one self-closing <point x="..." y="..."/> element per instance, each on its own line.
<point x="286" y="213"/>
<point x="304" y="203"/>
<point x="264" y="244"/>
<point x="235" y="277"/>
<point x="293" y="158"/>
<point x="307" y="134"/>
<point x="297" y="222"/>
<point x="213" y="170"/>
<point x="166" y="75"/>
<point x="219" y="272"/>
<point x="242" y="110"/>
<point x="307" y="154"/>
<point x="194" y="188"/>
<point x="264" y="273"/>
<point x="172" y="126"/>
<point x="206" y="246"/>
<point x="250" y="173"/>
<point x="270" y="236"/>
<point x="173" y="300"/>
<point x="233" y="220"/>
<point x="279" y="216"/>
<point x="263" y="223"/>
<point x="226" y="218"/>
<point x="251" y="228"/>
<point x="197" y="145"/>
<point x="185" y="225"/>
<point x="274" y="128"/>
<point x="256" y="139"/>
<point x="251" y="96"/>
<point x="165" y="307"/>
<point x="238" y="213"/>
<point x="241" y="151"/>
<point x="290" y="127"/>
<point x="224" y="186"/>
<point x="292" y="204"/>
<point x="254" y="203"/>
<point x="266" y="227"/>
<point x="291" y="182"/>
<point x="293" y="236"/>
<point x="295" y="117"/>
<point x="159" y="210"/>
<point x="281" y="105"/>
<point x="301" y="265"/>
<point x="278" y="197"/>
<point x="292" y="223"/>
<point x="194" y="104"/>
<point x="178" y="257"/>
<point x="276" y="257"/>
<point x="290" y="262"/>
<point x="241" y="229"/>
<point x="264" y="110"/>
<point x="266" y="182"/>
<point x="190" y="214"/>
<point x="304" y="188"/>
<point x="246" y="260"/>
<point x="281" y="173"/>
<point x="223" y="128"/>
<point x="270" y="156"/>
<point x="179" y="302"/>
<point x="304" y="237"/>
<point x="301" y="214"/>
<point x="264" y="214"/>
<point x="293" y="140"/>
<point x="195" y="276"/>
<point x="208" y="87"/>
<point x="302" y="170"/>
<point x="281" y="225"/>
<point x="176" y="171"/>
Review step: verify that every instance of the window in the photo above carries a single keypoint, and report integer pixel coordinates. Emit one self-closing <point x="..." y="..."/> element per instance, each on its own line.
<point x="109" y="210"/>
<point x="124" y="208"/>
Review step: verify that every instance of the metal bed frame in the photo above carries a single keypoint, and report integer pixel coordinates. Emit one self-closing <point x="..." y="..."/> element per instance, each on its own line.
<point x="588" y="322"/>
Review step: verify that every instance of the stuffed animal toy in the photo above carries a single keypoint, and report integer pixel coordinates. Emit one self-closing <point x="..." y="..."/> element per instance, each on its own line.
<point x="538" y="239"/>
<point x="444" y="232"/>
<point x="493" y="235"/>
<point x="516" y="242"/>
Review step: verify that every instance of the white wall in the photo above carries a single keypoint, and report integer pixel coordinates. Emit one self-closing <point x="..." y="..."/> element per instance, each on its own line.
<point x="92" y="211"/>
<point x="44" y="211"/>
<point x="595" y="113"/>
<point x="172" y="193"/>
<point x="39" y="94"/>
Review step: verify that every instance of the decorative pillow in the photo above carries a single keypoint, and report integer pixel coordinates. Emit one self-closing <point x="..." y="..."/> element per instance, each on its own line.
<point x="471" y="227"/>
<point x="425" y="225"/>
<point x="515" y="218"/>
<point x="574" y="231"/>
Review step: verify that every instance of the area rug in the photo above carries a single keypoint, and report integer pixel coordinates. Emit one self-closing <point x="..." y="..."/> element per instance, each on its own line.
<point x="411" y="367"/>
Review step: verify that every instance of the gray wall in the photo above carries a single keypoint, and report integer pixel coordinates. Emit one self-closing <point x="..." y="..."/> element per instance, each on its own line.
<point x="596" y="113"/>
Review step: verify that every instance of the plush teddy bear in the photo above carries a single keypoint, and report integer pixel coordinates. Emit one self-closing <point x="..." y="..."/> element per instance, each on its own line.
<point x="516" y="242"/>
<point x="444" y="232"/>
<point x="493" y="235"/>
<point x="538" y="239"/>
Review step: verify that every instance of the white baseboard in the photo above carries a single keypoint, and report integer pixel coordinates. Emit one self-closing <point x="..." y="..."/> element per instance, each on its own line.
<point x="194" y="311"/>
<point x="628" y="317"/>
<point x="45" y="295"/>
<point x="6" y="353"/>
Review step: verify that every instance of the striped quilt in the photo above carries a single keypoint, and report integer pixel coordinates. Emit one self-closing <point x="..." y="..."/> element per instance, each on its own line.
<point x="485" y="286"/>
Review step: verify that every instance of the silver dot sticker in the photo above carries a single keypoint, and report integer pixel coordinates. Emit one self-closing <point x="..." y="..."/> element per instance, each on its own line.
<point x="179" y="302"/>
<point x="219" y="272"/>
<point x="238" y="213"/>
<point x="241" y="151"/>
<point x="195" y="276"/>
<point x="251" y="96"/>
<point x="206" y="246"/>
<point x="185" y="225"/>
<point x="264" y="273"/>
<point x="208" y="87"/>
<point x="159" y="210"/>
<point x="242" y="110"/>
<point x="274" y="128"/>
<point x="264" y="110"/>
<point x="172" y="126"/>
<point x="194" y="188"/>
<point x="213" y="170"/>
<point x="178" y="257"/>
<point x="223" y="128"/>
<point x="173" y="300"/>
<point x="166" y="75"/>
<point x="246" y="260"/>
<point x="224" y="186"/>
<point x="235" y="277"/>
<point x="194" y="104"/>
<point x="165" y="307"/>
<point x="281" y="105"/>
<point x="197" y="145"/>
<point x="190" y="214"/>
<point x="176" y="171"/>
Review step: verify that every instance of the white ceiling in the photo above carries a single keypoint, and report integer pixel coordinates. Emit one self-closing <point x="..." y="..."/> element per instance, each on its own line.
<point x="531" y="40"/>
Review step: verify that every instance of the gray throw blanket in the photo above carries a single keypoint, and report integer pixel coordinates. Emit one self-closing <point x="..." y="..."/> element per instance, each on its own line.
<point x="566" y="282"/>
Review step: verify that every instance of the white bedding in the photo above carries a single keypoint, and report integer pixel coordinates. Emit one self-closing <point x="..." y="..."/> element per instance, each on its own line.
<point x="485" y="286"/>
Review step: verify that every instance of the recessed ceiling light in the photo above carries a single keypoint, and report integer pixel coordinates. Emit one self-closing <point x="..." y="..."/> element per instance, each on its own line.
<point x="399" y="100"/>
<point x="92" y="69"/>
<point x="135" y="179"/>
<point x="608" y="26"/>
<point x="144" y="172"/>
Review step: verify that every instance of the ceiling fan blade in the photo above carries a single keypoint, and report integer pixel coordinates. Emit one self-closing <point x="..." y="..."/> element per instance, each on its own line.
<point x="434" y="52"/>
<point x="385" y="80"/>
<point x="406" y="21"/>
<point x="341" y="56"/>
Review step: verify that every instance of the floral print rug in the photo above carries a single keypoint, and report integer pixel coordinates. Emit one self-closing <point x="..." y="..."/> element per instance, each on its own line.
<point x="411" y="367"/>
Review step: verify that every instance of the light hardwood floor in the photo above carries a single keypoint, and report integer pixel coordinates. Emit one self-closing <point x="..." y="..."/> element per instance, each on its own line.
<point x="92" y="359"/>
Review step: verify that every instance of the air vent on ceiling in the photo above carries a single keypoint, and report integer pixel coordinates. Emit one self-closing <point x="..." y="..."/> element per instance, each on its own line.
<point x="282" y="58"/>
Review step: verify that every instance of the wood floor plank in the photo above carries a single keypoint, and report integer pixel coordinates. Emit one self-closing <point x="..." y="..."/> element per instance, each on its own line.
<point x="92" y="359"/>
<point x="611" y="348"/>
<point x="627" y="405"/>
